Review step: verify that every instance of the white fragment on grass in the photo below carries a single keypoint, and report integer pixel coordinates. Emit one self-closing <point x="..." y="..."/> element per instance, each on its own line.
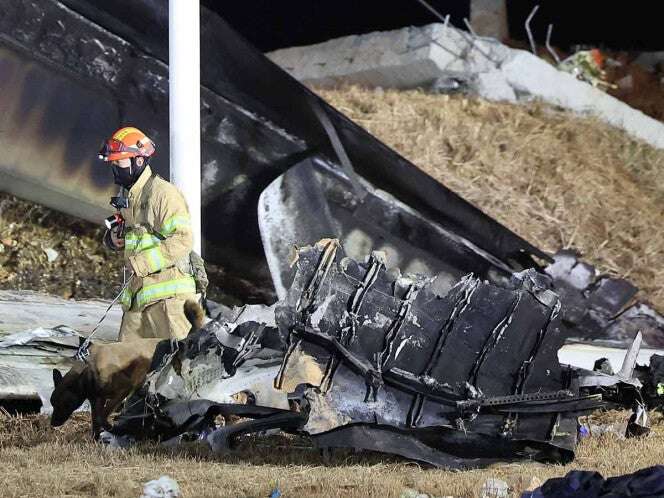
<point x="495" y="488"/>
<point x="164" y="487"/>
<point x="51" y="254"/>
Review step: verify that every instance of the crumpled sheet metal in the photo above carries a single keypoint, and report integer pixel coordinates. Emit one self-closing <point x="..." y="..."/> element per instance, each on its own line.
<point x="225" y="368"/>
<point x="223" y="363"/>
<point x="363" y="357"/>
<point x="599" y="308"/>
<point x="27" y="359"/>
<point x="469" y="375"/>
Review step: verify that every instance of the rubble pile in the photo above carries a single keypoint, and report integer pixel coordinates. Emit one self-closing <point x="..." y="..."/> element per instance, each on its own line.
<point x="359" y="356"/>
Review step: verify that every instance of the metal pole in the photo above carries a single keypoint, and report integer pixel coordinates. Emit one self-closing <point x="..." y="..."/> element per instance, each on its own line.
<point x="184" y="105"/>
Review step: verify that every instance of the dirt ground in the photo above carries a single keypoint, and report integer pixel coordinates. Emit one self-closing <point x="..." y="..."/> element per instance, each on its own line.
<point x="40" y="461"/>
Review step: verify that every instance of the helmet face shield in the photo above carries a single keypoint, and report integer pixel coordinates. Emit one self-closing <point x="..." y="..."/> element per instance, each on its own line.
<point x="114" y="149"/>
<point x="126" y="143"/>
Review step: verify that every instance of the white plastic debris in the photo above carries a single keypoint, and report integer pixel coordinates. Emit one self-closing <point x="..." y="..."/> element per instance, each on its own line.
<point x="164" y="487"/>
<point x="60" y="335"/>
<point x="111" y="441"/>
<point x="51" y="254"/>
<point x="495" y="488"/>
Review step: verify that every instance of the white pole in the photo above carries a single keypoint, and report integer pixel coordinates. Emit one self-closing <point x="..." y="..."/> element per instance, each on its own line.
<point x="184" y="105"/>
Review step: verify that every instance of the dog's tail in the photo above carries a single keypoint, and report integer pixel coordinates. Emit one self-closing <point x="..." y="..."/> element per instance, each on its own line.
<point x="194" y="313"/>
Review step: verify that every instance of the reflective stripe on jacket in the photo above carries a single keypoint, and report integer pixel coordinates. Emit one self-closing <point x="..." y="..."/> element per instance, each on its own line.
<point x="158" y="239"/>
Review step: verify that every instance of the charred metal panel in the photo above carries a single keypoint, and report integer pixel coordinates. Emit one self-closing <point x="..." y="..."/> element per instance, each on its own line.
<point x="475" y="364"/>
<point x="601" y="308"/>
<point x="67" y="82"/>
<point x="315" y="200"/>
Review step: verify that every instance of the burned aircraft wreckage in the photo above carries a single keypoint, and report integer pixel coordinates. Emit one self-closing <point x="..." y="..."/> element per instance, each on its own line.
<point x="452" y="362"/>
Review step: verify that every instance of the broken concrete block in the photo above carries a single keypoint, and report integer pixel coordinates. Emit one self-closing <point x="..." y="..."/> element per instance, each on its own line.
<point x="404" y="58"/>
<point x="428" y="56"/>
<point x="533" y="76"/>
<point x="494" y="86"/>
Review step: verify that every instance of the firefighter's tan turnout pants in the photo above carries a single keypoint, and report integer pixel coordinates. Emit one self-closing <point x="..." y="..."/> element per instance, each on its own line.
<point x="164" y="318"/>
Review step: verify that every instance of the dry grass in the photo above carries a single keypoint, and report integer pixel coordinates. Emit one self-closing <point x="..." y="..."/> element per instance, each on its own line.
<point x="556" y="179"/>
<point x="39" y="461"/>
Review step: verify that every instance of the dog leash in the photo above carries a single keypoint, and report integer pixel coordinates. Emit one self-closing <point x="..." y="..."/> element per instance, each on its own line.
<point x="83" y="351"/>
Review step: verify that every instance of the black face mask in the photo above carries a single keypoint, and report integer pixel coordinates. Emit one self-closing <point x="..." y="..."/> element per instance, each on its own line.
<point x="126" y="177"/>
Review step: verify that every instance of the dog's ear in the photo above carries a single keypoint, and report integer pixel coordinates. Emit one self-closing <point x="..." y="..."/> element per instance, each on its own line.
<point x="57" y="377"/>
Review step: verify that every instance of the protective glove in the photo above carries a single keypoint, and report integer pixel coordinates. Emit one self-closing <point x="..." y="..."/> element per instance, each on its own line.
<point x="112" y="241"/>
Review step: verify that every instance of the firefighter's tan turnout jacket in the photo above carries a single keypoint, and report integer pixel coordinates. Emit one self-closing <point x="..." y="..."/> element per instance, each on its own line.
<point x="158" y="240"/>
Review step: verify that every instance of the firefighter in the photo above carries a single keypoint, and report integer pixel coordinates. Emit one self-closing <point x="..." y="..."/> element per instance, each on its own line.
<point x="154" y="231"/>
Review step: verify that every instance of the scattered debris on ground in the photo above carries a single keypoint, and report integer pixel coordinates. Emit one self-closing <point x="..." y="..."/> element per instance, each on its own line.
<point x="359" y="356"/>
<point x="64" y="461"/>
<point x="30" y="232"/>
